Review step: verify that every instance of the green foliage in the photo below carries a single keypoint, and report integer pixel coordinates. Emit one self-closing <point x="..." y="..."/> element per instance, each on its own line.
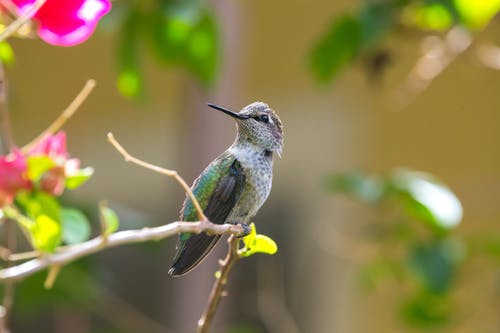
<point x="435" y="263"/>
<point x="420" y="194"/>
<point x="426" y="262"/>
<point x="426" y="310"/>
<point x="38" y="165"/>
<point x="256" y="243"/>
<point x="129" y="82"/>
<point x="336" y="48"/>
<point x="39" y="203"/>
<point x="48" y="224"/>
<point x="73" y="289"/>
<point x="45" y="233"/>
<point x="178" y="33"/>
<point x="79" y="178"/>
<point x="185" y="34"/>
<point x="426" y="198"/>
<point x="477" y="14"/>
<point x="6" y="53"/>
<point x="45" y="214"/>
<point x="76" y="227"/>
<point x="354" y="35"/>
<point x="110" y="219"/>
<point x="357" y="185"/>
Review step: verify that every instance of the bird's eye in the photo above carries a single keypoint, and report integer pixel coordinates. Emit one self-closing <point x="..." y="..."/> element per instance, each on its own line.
<point x="264" y="118"/>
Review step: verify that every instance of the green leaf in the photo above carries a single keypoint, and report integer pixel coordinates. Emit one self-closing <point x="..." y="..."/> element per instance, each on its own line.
<point x="186" y="35"/>
<point x="435" y="263"/>
<point x="170" y="30"/>
<point x="130" y="82"/>
<point x="39" y="203"/>
<point x="427" y="198"/>
<point x="433" y="16"/>
<point x="76" y="227"/>
<point x="45" y="233"/>
<point x="203" y="49"/>
<point x="6" y="53"/>
<point x="110" y="219"/>
<point x="357" y="185"/>
<point x="80" y="178"/>
<point x="426" y="310"/>
<point x="255" y="243"/>
<point x="38" y="165"/>
<point x="376" y="18"/>
<point x="336" y="48"/>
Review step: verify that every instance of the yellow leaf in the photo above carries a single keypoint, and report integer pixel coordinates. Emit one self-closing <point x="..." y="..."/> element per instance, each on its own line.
<point x="265" y="244"/>
<point x="477" y="13"/>
<point x="45" y="233"/>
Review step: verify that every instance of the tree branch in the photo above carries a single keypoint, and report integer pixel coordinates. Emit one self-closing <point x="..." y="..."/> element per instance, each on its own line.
<point x="23" y="18"/>
<point x="65" y="115"/>
<point x="163" y="171"/>
<point x="119" y="238"/>
<point x="219" y="284"/>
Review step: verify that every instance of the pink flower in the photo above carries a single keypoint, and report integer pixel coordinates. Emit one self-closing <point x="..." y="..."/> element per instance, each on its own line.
<point x="53" y="146"/>
<point x="13" y="177"/>
<point x="66" y="22"/>
<point x="53" y="181"/>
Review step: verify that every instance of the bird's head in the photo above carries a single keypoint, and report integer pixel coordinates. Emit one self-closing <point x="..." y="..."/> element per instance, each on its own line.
<point x="258" y="124"/>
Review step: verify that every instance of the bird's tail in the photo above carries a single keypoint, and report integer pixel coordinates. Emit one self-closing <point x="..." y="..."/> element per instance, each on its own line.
<point x="191" y="252"/>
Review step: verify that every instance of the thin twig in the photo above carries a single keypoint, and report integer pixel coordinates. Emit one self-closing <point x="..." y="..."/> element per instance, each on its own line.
<point x="23" y="18"/>
<point x="119" y="238"/>
<point x="65" y="115"/>
<point x="7" y="255"/>
<point x="51" y="277"/>
<point x="219" y="285"/>
<point x="439" y="55"/>
<point x="167" y="172"/>
<point x="102" y="221"/>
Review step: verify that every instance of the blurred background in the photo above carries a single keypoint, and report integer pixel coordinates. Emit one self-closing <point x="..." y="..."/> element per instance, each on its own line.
<point x="379" y="99"/>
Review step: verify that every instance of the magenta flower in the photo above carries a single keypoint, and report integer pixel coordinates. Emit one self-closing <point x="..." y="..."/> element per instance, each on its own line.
<point x="66" y="22"/>
<point x="53" y="146"/>
<point x="13" y="176"/>
<point x="63" y="167"/>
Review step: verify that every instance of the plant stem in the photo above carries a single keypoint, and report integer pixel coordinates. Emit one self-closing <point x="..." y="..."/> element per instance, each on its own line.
<point x="68" y="254"/>
<point x="218" y="288"/>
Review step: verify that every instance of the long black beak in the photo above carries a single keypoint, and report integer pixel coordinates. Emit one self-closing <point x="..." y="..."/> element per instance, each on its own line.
<point x="229" y="112"/>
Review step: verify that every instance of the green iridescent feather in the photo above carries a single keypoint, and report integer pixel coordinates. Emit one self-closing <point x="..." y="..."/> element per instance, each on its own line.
<point x="203" y="188"/>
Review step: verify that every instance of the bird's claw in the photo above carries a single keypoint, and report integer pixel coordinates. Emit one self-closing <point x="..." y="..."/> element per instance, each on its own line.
<point x="246" y="229"/>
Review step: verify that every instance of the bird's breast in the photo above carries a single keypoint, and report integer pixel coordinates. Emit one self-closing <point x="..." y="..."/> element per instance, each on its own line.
<point x="258" y="170"/>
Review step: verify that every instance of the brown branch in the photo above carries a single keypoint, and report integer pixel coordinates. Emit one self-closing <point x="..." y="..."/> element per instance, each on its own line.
<point x="219" y="285"/>
<point x="65" y="115"/>
<point x="439" y="54"/>
<point x="167" y="172"/>
<point x="72" y="253"/>
<point x="25" y="17"/>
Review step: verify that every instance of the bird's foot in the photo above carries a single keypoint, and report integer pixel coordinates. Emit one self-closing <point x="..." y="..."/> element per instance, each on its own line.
<point x="246" y="229"/>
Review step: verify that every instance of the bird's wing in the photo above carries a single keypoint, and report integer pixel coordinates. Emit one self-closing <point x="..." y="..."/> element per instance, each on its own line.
<point x="217" y="189"/>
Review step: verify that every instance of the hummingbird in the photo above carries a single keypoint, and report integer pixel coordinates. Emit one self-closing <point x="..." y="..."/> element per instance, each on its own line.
<point x="233" y="187"/>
